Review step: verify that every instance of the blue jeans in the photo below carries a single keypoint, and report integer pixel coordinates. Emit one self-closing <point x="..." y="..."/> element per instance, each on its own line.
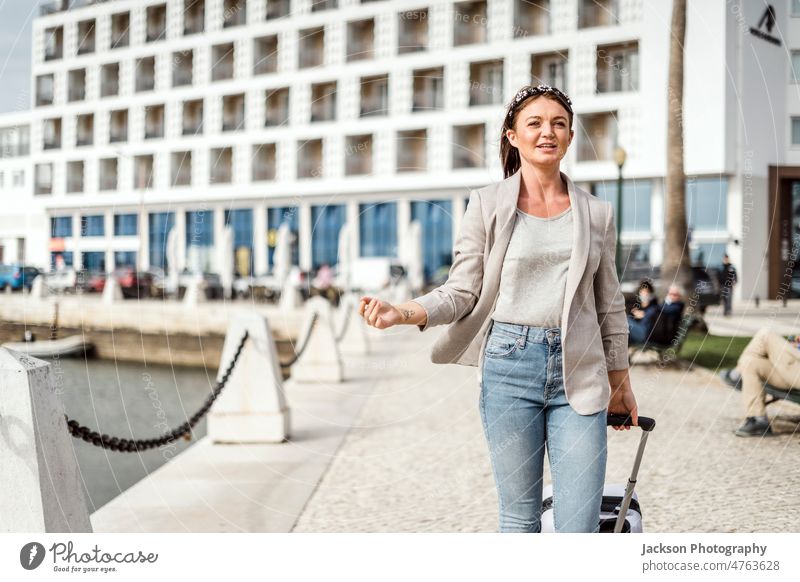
<point x="524" y="408"/>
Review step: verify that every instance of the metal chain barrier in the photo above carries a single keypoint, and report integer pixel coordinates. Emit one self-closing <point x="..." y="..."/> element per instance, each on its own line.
<point x="124" y="445"/>
<point x="347" y="315"/>
<point x="299" y="352"/>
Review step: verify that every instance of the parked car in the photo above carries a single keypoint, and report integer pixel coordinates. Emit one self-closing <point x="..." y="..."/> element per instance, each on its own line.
<point x="95" y="281"/>
<point x="211" y="282"/>
<point x="17" y="276"/>
<point x="133" y="283"/>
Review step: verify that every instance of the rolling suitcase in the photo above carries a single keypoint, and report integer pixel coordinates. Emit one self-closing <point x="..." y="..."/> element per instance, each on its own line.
<point x="619" y="510"/>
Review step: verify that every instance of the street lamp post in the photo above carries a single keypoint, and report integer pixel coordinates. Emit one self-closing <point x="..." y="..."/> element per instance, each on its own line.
<point x="619" y="158"/>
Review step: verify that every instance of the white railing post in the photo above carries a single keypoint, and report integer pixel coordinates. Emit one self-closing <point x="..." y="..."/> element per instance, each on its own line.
<point x="252" y="407"/>
<point x="40" y="484"/>
<point x="320" y="360"/>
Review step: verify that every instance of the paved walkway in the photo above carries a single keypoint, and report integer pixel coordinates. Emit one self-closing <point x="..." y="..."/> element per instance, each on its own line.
<point x="416" y="459"/>
<point x="747" y="318"/>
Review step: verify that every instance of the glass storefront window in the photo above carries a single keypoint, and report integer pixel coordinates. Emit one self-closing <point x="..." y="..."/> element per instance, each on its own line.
<point x="126" y="224"/>
<point x="706" y="203"/>
<point x="241" y="221"/>
<point x="636" y="196"/>
<point x="199" y="240"/>
<point x="326" y="222"/>
<point x="378" y="229"/>
<point x="277" y="216"/>
<point x="160" y="223"/>
<point x="436" y="218"/>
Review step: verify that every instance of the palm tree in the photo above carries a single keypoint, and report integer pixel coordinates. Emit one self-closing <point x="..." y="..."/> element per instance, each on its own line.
<point x="676" y="266"/>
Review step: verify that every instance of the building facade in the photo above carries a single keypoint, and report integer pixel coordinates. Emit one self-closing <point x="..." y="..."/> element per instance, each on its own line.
<point x="149" y="115"/>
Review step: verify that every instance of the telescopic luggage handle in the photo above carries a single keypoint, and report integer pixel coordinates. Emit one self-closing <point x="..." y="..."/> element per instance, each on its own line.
<point x="645" y="423"/>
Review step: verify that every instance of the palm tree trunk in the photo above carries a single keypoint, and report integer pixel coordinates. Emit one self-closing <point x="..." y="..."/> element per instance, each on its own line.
<point x="676" y="266"/>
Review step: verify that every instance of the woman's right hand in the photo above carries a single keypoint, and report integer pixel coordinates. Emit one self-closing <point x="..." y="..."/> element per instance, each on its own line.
<point x="377" y="313"/>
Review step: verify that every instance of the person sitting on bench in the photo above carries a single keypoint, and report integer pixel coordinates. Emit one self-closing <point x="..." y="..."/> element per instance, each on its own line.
<point x="768" y="358"/>
<point x="666" y="317"/>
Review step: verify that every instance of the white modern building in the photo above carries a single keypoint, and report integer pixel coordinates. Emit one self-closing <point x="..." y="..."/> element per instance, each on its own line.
<point x="194" y="114"/>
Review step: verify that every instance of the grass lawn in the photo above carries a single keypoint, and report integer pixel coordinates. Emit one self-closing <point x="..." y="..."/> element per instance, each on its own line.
<point x="712" y="351"/>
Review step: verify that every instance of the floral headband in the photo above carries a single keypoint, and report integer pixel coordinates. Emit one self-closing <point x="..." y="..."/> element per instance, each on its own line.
<point x="530" y="90"/>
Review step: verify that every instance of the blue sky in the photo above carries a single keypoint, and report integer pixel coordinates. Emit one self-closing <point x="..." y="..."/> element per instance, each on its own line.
<point x="15" y="53"/>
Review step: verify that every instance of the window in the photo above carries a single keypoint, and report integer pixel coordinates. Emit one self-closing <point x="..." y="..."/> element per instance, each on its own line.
<point x="94" y="261"/>
<point x="358" y="155"/>
<point x="53" y="43"/>
<point x="277" y="107"/>
<point x="125" y="259"/>
<point x="240" y="221"/>
<point x="468" y="146"/>
<point x="795" y="7"/>
<point x="60" y="226"/>
<point x="323" y="102"/>
<point x="126" y="225"/>
<point x="221" y="166"/>
<point x="182" y="65"/>
<point x="374" y="95"/>
<point x="153" y="121"/>
<point x="470" y="23"/>
<point x="486" y="83"/>
<point x="43" y="178"/>
<point x="597" y="136"/>
<point x="86" y="37"/>
<point x="222" y="60"/>
<point x="44" y="90"/>
<point x="108" y="174"/>
<point x="618" y="67"/>
<point x="311" y="47"/>
<point x="51" y="134"/>
<point x="182" y="168"/>
<point x="707" y="203"/>
<point x="193" y="117"/>
<point x="84" y="133"/>
<point x="597" y="13"/>
<point x="550" y="69"/>
<point x="93" y="225"/>
<point x="360" y="40"/>
<point x="156" y="22"/>
<point x="265" y="55"/>
<point x="145" y="74"/>
<point x="278" y="9"/>
<point x="436" y="219"/>
<point x="636" y="195"/>
<point x="326" y="222"/>
<point x="74" y="177"/>
<point x="412" y="153"/>
<point x="233" y="112"/>
<point x="412" y="31"/>
<point x="531" y="18"/>
<point x="234" y="13"/>
<point x="193" y="16"/>
<point x="143" y="172"/>
<point x="378" y="229"/>
<point x="118" y="126"/>
<point x="795" y="131"/>
<point x="428" y="89"/>
<point x="120" y="29"/>
<point x="199" y="240"/>
<point x="77" y="85"/>
<point x="264" y="162"/>
<point x="109" y="80"/>
<point x="277" y="216"/>
<point x="795" y="67"/>
<point x="318" y="5"/>
<point x="159" y="226"/>
<point x="309" y="158"/>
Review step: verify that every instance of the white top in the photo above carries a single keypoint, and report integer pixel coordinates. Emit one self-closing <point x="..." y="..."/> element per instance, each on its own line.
<point x="534" y="275"/>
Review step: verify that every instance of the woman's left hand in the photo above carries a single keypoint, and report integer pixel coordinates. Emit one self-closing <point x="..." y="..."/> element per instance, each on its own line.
<point x="622" y="400"/>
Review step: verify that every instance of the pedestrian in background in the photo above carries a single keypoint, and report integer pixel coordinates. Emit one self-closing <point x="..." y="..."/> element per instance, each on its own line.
<point x="727" y="279"/>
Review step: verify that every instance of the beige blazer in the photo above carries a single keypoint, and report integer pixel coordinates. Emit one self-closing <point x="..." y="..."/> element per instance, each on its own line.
<point x="594" y="328"/>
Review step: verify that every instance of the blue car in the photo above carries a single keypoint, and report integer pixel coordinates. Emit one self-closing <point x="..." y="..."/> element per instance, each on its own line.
<point x="17" y="276"/>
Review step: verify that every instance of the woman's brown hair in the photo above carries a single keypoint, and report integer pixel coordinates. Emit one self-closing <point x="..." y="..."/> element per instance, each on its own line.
<point x="509" y="155"/>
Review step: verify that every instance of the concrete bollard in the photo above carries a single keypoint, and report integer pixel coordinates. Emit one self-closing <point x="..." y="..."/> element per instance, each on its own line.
<point x="252" y="407"/>
<point x="355" y="341"/>
<point x="320" y="361"/>
<point x="39" y="288"/>
<point x="112" y="292"/>
<point x="40" y="484"/>
<point x="291" y="297"/>
<point x="195" y="291"/>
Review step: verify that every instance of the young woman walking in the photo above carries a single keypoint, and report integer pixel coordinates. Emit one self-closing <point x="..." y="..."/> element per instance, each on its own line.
<point x="533" y="300"/>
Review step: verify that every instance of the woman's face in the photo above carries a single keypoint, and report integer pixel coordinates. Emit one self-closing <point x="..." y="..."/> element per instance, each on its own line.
<point x="541" y="132"/>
